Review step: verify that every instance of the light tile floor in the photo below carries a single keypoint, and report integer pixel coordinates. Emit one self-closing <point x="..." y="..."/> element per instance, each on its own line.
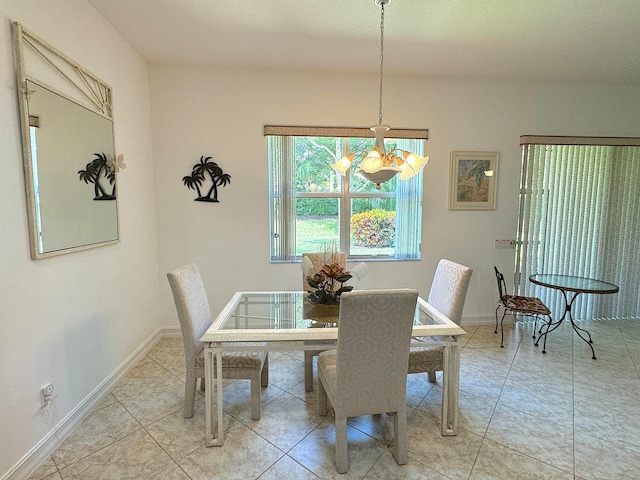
<point x="523" y="415"/>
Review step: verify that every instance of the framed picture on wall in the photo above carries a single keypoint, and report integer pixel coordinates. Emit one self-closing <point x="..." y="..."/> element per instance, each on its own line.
<point x="472" y="180"/>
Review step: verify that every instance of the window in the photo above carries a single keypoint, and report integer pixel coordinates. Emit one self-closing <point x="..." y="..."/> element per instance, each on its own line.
<point x="311" y="204"/>
<point x="580" y="215"/>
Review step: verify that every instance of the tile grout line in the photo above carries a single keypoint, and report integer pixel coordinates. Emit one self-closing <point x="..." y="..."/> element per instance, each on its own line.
<point x="484" y="435"/>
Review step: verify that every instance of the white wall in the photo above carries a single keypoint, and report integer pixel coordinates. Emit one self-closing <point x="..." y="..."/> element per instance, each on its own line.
<point x="201" y="111"/>
<point x="73" y="319"/>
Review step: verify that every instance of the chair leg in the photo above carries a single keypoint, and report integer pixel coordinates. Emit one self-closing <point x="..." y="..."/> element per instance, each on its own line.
<point x="432" y="376"/>
<point x="322" y="399"/>
<point x="502" y="329"/>
<point x="542" y="326"/>
<point x="497" y="308"/>
<point x="342" y="456"/>
<point x="189" y="394"/>
<point x="264" y="378"/>
<point x="400" y="434"/>
<point x="308" y="371"/>
<point x="255" y="396"/>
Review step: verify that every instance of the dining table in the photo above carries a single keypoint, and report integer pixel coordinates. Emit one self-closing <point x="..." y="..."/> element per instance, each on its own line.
<point x="280" y="321"/>
<point x="571" y="286"/>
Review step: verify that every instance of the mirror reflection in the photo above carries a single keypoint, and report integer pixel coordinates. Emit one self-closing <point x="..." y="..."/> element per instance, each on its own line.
<point x="72" y="155"/>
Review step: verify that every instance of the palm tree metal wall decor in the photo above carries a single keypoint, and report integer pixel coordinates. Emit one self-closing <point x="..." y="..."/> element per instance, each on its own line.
<point x="100" y="170"/>
<point x="199" y="174"/>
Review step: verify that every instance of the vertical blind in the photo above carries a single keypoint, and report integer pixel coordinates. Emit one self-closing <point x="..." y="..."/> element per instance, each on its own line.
<point x="282" y="197"/>
<point x="580" y="215"/>
<point x="408" y="210"/>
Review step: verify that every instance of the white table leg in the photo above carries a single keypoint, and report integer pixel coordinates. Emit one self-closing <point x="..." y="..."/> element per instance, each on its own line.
<point x="214" y="430"/>
<point x="450" y="389"/>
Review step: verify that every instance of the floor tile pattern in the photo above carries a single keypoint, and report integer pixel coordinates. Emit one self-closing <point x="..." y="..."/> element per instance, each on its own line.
<point x="523" y="415"/>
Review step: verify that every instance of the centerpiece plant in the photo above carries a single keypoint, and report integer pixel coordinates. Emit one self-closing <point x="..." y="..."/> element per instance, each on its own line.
<point x="328" y="284"/>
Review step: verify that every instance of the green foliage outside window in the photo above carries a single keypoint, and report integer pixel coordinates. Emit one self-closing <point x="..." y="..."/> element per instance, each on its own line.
<point x="315" y="207"/>
<point x="374" y="228"/>
<point x="312" y="157"/>
<point x="359" y="205"/>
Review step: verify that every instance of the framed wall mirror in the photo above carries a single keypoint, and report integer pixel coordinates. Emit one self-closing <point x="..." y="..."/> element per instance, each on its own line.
<point x="68" y="148"/>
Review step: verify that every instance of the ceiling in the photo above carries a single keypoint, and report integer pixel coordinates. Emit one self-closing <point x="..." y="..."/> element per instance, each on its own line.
<point x="573" y="40"/>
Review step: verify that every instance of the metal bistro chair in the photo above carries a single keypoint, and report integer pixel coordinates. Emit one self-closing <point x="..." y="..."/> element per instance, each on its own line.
<point x="517" y="304"/>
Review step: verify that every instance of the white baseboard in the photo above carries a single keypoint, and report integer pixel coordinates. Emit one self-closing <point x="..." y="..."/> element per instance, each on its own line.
<point x="171" y="332"/>
<point x="45" y="447"/>
<point x="477" y="320"/>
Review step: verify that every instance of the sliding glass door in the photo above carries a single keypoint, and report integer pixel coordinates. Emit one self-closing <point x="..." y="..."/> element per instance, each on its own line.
<point x="580" y="215"/>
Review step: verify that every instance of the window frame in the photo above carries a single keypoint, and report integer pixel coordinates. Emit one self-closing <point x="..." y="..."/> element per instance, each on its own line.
<point x="283" y="249"/>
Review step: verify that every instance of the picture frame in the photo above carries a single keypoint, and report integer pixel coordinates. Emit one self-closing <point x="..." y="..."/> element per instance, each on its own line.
<point x="472" y="180"/>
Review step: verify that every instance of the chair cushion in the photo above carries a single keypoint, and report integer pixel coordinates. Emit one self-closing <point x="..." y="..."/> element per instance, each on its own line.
<point x="328" y="357"/>
<point x="525" y="304"/>
<point x="327" y="361"/>
<point x="425" y="359"/>
<point x="239" y="360"/>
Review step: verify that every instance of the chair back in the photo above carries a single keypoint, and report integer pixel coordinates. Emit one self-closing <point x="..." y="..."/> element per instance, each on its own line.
<point x="449" y="289"/>
<point x="374" y="334"/>
<point x="192" y="306"/>
<point x="502" y="286"/>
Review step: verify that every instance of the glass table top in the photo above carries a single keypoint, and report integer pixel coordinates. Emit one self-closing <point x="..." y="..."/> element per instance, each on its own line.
<point x="573" y="284"/>
<point x="264" y="316"/>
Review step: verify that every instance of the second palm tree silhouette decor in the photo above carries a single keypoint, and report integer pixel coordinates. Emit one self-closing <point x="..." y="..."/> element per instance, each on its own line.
<point x="200" y="173"/>
<point x="102" y="170"/>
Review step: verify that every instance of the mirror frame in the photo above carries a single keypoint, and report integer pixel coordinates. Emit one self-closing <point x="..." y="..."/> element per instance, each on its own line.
<point x="93" y="94"/>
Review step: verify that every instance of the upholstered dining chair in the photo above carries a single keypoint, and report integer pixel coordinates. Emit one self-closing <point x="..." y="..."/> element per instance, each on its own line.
<point x="194" y="314"/>
<point x="517" y="304"/>
<point x="447" y="295"/>
<point x="367" y="372"/>
<point x="313" y="262"/>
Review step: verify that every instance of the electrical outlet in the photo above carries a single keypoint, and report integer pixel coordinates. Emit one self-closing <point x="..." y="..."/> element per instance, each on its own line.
<point x="503" y="244"/>
<point x="47" y="390"/>
<point x="46" y="396"/>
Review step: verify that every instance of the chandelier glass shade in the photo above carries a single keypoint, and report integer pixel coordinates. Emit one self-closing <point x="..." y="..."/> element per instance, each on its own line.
<point x="378" y="165"/>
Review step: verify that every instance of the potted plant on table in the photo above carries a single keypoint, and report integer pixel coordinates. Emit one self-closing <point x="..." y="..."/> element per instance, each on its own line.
<point x="326" y="287"/>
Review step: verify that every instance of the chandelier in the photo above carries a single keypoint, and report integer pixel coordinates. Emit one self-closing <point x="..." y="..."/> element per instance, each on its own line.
<point x="378" y="165"/>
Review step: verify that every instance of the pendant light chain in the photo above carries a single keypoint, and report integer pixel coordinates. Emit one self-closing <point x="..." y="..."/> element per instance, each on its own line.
<point x="381" y="59"/>
<point x="378" y="165"/>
